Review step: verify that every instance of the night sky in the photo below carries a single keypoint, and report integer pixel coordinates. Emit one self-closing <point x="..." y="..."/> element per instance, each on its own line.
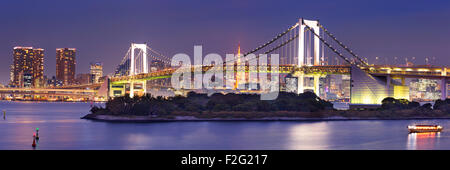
<point x="102" y="30"/>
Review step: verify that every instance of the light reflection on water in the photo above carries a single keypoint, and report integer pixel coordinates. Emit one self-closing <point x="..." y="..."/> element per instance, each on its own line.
<point x="423" y="141"/>
<point x="61" y="128"/>
<point x="137" y="141"/>
<point x="309" y="136"/>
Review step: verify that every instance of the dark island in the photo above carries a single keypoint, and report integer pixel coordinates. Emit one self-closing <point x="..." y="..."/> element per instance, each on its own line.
<point x="288" y="106"/>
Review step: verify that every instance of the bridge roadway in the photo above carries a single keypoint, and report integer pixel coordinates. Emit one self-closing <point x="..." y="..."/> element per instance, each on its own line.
<point x="420" y="71"/>
<point x="81" y="86"/>
<point x="73" y="91"/>
<point x="79" y="93"/>
<point x="424" y="71"/>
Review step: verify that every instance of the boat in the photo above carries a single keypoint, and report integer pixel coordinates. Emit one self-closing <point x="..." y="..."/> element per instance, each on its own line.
<point x="424" y="128"/>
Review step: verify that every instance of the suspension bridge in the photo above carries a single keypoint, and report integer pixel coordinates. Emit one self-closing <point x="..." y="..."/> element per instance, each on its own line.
<point x="303" y="49"/>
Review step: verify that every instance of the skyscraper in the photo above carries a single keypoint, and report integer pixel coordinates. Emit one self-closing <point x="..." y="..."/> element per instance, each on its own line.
<point x="65" y="65"/>
<point x="11" y="74"/>
<point x="96" y="71"/>
<point x="28" y="67"/>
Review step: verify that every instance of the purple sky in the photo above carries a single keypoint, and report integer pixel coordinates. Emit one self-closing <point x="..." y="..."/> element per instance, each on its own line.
<point x="102" y="30"/>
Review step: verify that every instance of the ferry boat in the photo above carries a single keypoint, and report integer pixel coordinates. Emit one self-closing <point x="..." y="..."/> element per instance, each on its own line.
<point x="424" y="128"/>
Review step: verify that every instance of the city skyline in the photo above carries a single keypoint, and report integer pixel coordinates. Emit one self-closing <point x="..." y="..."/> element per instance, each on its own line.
<point x="103" y="32"/>
<point x="236" y="76"/>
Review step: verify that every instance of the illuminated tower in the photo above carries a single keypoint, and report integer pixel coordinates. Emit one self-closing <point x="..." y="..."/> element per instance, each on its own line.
<point x="238" y="65"/>
<point x="65" y="65"/>
<point x="28" y="67"/>
<point x="96" y="71"/>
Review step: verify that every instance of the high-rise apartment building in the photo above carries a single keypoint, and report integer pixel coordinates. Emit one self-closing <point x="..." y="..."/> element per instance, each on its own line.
<point x="28" y="67"/>
<point x="11" y="74"/>
<point x="96" y="71"/>
<point x="65" y="65"/>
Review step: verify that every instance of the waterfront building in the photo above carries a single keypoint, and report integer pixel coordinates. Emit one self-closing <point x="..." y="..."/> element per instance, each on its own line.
<point x="45" y="81"/>
<point x="324" y="86"/>
<point x="291" y="84"/>
<point x="85" y="78"/>
<point x="65" y="65"/>
<point x="28" y="67"/>
<point x="334" y="88"/>
<point x="424" y="90"/>
<point x="96" y="71"/>
<point x="345" y="87"/>
<point x="156" y="65"/>
<point x="53" y="82"/>
<point x="11" y="74"/>
<point x="102" y="79"/>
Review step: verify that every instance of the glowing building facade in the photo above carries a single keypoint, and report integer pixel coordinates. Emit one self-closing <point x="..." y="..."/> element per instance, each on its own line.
<point x="28" y="67"/>
<point x="424" y="90"/>
<point x="367" y="89"/>
<point x="65" y="65"/>
<point x="96" y="71"/>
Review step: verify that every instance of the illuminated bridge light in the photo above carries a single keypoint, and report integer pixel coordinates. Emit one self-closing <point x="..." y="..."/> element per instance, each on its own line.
<point x="423" y="70"/>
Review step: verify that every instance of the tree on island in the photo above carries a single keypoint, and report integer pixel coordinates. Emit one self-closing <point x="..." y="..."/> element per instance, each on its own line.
<point x="443" y="105"/>
<point x="194" y="102"/>
<point x="390" y="103"/>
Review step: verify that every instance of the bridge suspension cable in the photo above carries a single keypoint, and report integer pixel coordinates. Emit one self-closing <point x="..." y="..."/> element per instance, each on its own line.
<point x="123" y="67"/>
<point x="282" y="44"/>
<point x="342" y="45"/>
<point x="328" y="45"/>
<point x="271" y="42"/>
<point x="126" y="56"/>
<point x="165" y="59"/>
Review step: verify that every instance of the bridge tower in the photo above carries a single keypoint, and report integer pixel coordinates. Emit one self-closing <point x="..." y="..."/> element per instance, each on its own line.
<point x="130" y="76"/>
<point x="304" y="47"/>
<point x="143" y="48"/>
<point x="144" y="66"/>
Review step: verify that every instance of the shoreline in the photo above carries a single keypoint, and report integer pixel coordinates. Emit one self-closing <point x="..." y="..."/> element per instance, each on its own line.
<point x="146" y="119"/>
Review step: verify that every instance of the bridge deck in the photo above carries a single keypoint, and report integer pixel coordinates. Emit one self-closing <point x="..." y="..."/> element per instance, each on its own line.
<point x="377" y="70"/>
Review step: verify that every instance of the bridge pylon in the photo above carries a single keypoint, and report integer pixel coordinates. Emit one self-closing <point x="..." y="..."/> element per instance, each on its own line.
<point x="144" y="64"/>
<point x="304" y="46"/>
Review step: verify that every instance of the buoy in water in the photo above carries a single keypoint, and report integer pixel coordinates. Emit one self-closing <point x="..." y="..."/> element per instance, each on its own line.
<point x="37" y="133"/>
<point x="34" y="141"/>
